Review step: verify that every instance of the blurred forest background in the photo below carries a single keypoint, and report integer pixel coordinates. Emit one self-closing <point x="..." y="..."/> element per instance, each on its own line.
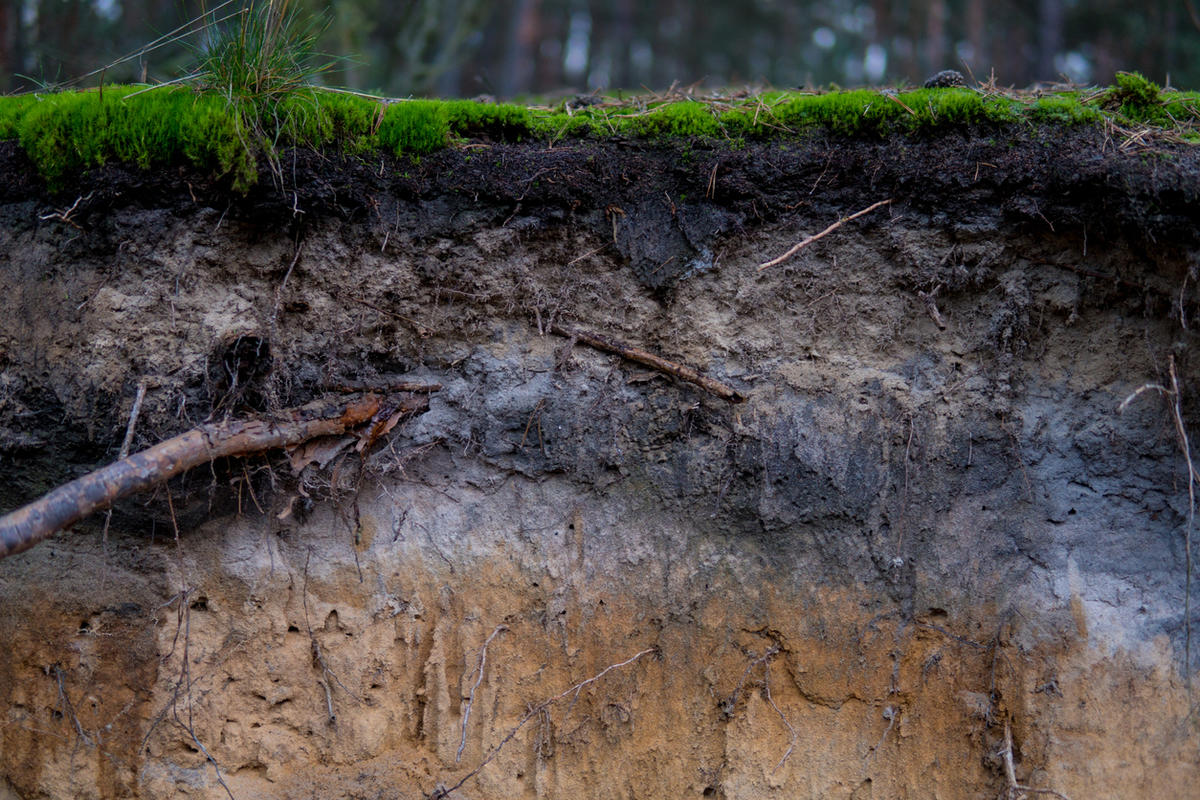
<point x="527" y="48"/>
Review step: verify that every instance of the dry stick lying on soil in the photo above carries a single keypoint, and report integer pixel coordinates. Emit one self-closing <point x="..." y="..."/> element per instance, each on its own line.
<point x="681" y="371"/>
<point x="796" y="248"/>
<point x="66" y="505"/>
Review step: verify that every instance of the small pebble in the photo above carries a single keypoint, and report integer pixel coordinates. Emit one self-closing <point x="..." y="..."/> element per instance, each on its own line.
<point x="584" y="100"/>
<point x="946" y="79"/>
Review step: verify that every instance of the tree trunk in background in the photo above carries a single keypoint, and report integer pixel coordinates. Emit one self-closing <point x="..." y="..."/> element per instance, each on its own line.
<point x="976" y="39"/>
<point x="7" y="24"/>
<point x="622" y="34"/>
<point x="935" y="35"/>
<point x="419" y="45"/>
<point x="1106" y="63"/>
<point x="1050" y="30"/>
<point x="664" y="42"/>
<point x="1163" y="24"/>
<point x="516" y="73"/>
<point x="477" y="70"/>
<point x="882" y="33"/>
<point x="58" y="57"/>
<point x="20" y="47"/>
<point x="909" y="56"/>
<point x="449" y="82"/>
<point x="1012" y="60"/>
<point x="597" y="42"/>
<point x="553" y="26"/>
<point x="608" y="55"/>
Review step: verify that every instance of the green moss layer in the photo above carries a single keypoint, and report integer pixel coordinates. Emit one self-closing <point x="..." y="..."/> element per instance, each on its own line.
<point x="68" y="132"/>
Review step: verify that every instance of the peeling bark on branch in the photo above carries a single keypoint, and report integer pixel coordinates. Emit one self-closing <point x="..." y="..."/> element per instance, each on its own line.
<point x="71" y="502"/>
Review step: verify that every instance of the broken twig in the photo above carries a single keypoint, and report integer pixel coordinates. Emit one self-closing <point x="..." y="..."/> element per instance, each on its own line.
<point x="127" y="444"/>
<point x="681" y="371"/>
<point x="796" y="248"/>
<point x="66" y="505"/>
<point x="931" y="308"/>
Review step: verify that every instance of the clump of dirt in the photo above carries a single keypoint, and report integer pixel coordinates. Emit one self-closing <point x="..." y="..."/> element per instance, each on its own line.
<point x="926" y="528"/>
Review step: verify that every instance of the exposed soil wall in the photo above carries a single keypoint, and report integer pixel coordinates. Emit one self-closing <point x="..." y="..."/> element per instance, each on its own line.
<point x="926" y="524"/>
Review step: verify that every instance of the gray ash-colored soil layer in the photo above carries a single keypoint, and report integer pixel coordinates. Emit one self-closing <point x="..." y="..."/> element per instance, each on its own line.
<point x="927" y="523"/>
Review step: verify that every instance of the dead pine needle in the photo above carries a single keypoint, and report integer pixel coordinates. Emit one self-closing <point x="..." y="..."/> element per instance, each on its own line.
<point x="796" y="248"/>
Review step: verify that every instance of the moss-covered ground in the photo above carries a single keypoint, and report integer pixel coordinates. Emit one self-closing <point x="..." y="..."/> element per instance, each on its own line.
<point x="64" y="133"/>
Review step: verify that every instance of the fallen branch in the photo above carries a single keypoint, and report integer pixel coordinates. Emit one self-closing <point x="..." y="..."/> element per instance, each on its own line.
<point x="681" y="371"/>
<point x="796" y="248"/>
<point x="68" y="504"/>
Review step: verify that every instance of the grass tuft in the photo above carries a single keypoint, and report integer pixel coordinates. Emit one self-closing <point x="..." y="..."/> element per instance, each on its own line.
<point x="266" y="54"/>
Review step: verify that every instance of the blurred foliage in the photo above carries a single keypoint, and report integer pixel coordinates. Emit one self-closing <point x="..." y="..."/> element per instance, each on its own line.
<point x="513" y="48"/>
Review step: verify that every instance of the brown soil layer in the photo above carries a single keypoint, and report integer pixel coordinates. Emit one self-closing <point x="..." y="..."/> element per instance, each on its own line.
<point x="927" y="522"/>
